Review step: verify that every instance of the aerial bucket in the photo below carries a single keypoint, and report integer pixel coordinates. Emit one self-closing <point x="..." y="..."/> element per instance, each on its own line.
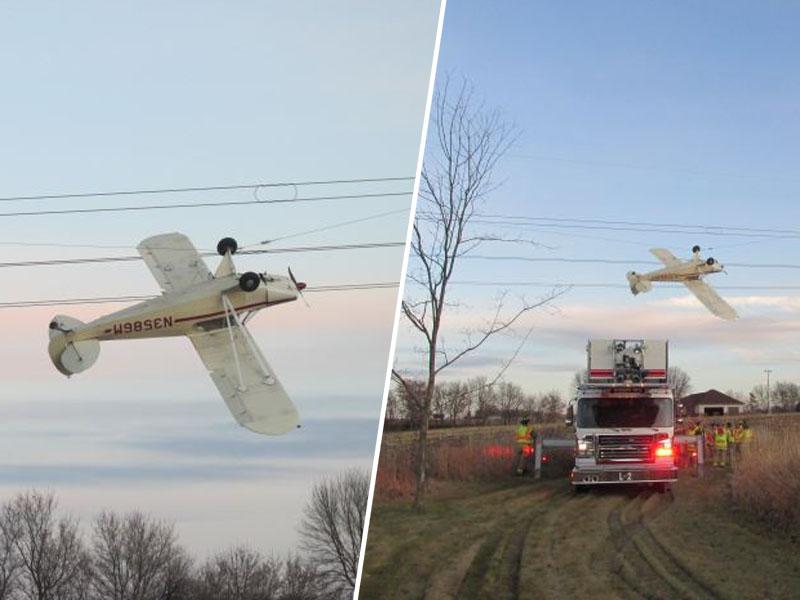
<point x="67" y="356"/>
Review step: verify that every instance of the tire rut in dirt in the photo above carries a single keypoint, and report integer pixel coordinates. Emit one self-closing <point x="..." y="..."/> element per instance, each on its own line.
<point x="495" y="571"/>
<point x="543" y="570"/>
<point x="667" y="557"/>
<point x="644" y="564"/>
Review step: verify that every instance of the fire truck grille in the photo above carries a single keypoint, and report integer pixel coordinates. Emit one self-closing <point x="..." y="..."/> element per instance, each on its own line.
<point x="624" y="448"/>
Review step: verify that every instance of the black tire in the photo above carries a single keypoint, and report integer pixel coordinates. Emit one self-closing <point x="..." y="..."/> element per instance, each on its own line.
<point x="709" y="261"/>
<point x="580" y="489"/>
<point x="225" y="245"/>
<point x="249" y="281"/>
<point x="662" y="487"/>
<point x="695" y="249"/>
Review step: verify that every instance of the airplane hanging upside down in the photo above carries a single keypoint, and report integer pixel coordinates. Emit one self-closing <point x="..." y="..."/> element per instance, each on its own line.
<point x="207" y="309"/>
<point x="689" y="273"/>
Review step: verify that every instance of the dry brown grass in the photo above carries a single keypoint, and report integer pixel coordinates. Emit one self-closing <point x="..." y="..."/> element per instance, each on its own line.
<point x="458" y="454"/>
<point x="766" y="481"/>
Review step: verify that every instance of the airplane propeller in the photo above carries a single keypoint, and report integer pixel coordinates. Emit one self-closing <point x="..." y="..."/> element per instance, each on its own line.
<point x="299" y="286"/>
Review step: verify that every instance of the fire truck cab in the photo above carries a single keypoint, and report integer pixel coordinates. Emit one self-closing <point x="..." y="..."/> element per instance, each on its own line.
<point x="623" y="416"/>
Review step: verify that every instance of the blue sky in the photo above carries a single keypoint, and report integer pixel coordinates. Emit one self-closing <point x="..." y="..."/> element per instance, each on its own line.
<point x="667" y="112"/>
<point x="146" y="95"/>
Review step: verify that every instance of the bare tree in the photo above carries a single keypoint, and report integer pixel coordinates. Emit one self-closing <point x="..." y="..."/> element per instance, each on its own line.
<point x="580" y="377"/>
<point x="392" y="406"/>
<point x="679" y="381"/>
<point x="483" y="397"/>
<point x="10" y="564"/>
<point x="551" y="405"/>
<point x="239" y="574"/>
<point x="509" y="400"/>
<point x="332" y="526"/>
<point x="132" y="556"/>
<point x="465" y="143"/>
<point x="302" y="581"/>
<point x="53" y="560"/>
<point x="457" y="400"/>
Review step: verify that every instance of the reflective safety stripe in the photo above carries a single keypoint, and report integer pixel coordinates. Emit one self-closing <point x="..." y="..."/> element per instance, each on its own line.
<point x="523" y="435"/>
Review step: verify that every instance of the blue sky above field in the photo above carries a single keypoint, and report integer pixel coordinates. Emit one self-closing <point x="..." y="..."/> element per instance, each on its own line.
<point x="128" y="96"/>
<point x="665" y="112"/>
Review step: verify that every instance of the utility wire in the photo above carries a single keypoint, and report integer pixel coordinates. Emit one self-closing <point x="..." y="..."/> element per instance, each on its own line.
<point x="279" y="238"/>
<point x="208" y="188"/>
<point x="642" y="229"/>
<point x="614" y="261"/>
<point x="567" y="284"/>
<point x="114" y="209"/>
<point x="701" y="228"/>
<point x="345" y="287"/>
<point x="334" y="226"/>
<point x="110" y="259"/>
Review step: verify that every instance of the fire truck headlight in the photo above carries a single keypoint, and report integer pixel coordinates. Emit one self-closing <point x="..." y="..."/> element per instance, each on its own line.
<point x="585" y="447"/>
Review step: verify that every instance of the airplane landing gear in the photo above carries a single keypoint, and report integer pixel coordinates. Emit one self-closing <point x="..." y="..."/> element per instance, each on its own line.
<point x="249" y="281"/>
<point x="226" y="245"/>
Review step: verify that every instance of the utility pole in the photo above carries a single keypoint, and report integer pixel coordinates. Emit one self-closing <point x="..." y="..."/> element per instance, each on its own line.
<point x="769" y="404"/>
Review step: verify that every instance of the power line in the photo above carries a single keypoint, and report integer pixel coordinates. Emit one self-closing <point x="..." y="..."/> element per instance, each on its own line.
<point x="569" y="284"/>
<point x="335" y="225"/>
<point x="113" y="209"/>
<point x="279" y="238"/>
<point x="702" y="228"/>
<point x="345" y="287"/>
<point x="207" y="188"/>
<point x="112" y="259"/>
<point x="643" y="229"/>
<point x="614" y="261"/>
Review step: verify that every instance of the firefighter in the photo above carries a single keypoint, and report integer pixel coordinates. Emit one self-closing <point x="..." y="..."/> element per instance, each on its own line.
<point x="747" y="434"/>
<point x="524" y="437"/>
<point x="721" y="440"/>
<point x="738" y="438"/>
<point x="729" y="433"/>
<point x="709" y="433"/>
<point x="698" y="429"/>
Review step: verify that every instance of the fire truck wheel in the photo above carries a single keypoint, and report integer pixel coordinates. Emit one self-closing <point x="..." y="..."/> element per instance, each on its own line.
<point x="662" y="487"/>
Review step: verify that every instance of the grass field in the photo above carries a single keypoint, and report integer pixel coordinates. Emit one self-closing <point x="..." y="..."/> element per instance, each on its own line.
<point x="525" y="539"/>
<point x="486" y="534"/>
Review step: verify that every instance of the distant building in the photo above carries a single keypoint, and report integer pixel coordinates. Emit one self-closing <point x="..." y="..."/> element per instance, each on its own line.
<point x="712" y="403"/>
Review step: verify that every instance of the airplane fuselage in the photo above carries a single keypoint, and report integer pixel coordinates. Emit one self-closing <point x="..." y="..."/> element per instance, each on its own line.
<point x="181" y="313"/>
<point x="691" y="269"/>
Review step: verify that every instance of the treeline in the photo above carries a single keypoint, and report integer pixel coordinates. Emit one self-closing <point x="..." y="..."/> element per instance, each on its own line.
<point x="45" y="555"/>
<point x="783" y="396"/>
<point x="475" y="401"/>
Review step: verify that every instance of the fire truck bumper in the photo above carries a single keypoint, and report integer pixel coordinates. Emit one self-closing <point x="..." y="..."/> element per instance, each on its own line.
<point x="623" y="474"/>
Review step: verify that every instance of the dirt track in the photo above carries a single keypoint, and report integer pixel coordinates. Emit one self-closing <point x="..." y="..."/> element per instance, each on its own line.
<point x="539" y="540"/>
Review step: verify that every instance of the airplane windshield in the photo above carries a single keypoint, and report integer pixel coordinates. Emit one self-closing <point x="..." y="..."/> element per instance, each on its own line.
<point x="625" y="412"/>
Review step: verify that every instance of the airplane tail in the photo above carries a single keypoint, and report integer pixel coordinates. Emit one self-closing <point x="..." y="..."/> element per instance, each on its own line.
<point x="70" y="357"/>
<point x="638" y="284"/>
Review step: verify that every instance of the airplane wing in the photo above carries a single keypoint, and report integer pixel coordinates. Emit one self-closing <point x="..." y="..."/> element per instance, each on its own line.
<point x="261" y="404"/>
<point x="665" y="256"/>
<point x="173" y="261"/>
<point x="712" y="301"/>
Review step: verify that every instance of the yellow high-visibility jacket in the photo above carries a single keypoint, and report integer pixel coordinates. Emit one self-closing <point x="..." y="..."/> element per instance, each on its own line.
<point x="721" y="439"/>
<point x="524" y="437"/>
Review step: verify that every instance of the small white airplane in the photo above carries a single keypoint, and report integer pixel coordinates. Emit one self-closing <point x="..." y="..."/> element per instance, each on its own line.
<point x="689" y="273"/>
<point x="207" y="308"/>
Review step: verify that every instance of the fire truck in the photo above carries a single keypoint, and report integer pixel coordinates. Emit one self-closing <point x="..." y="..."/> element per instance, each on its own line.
<point x="623" y="416"/>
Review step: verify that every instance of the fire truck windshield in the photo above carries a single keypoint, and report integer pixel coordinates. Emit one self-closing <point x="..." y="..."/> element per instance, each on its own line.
<point x="624" y="412"/>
